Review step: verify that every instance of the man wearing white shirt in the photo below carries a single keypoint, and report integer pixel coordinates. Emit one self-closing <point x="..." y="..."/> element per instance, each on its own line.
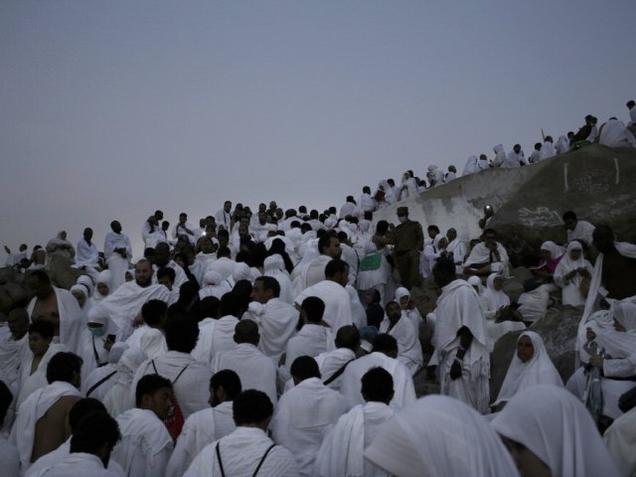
<point x="314" y="337"/>
<point x="255" y="370"/>
<point x="223" y="217"/>
<point x="146" y="445"/>
<point x="206" y="426"/>
<point x="86" y="254"/>
<point x="333" y="363"/>
<point x="246" y="451"/>
<point x="578" y="229"/>
<point x="305" y="413"/>
<point x="117" y="252"/>
<point x="184" y="228"/>
<point x="333" y="293"/>
<point x="367" y="203"/>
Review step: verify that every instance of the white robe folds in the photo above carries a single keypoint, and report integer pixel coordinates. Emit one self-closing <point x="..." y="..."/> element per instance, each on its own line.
<point x="199" y="430"/>
<point x="79" y="463"/>
<point x="558" y="429"/>
<point x="192" y="385"/>
<point x="342" y="450"/>
<point x="480" y="254"/>
<point x="12" y="354"/>
<point x="311" y="273"/>
<point x="145" y="445"/>
<point x="241" y="452"/>
<point x="458" y="250"/>
<point x="255" y="370"/>
<point x="330" y="362"/>
<point x="620" y="439"/>
<point x="87" y="254"/>
<point x="214" y="336"/>
<point x="571" y="291"/>
<point x="409" y="347"/>
<point x="277" y="323"/>
<point x="31" y="410"/>
<point x="303" y="417"/>
<point x="274" y="267"/>
<point x="311" y="340"/>
<point x="125" y="303"/>
<point x="30" y="382"/>
<point x="459" y="306"/>
<point x="402" y="379"/>
<point x="538" y="370"/>
<point x="71" y="324"/>
<point x="118" y="399"/>
<point x="337" y="303"/>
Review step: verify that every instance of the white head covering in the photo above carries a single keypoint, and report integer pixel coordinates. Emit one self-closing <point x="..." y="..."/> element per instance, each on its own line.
<point x="496" y="298"/>
<point x="99" y="314"/>
<point x="105" y="277"/>
<point x="211" y="278"/>
<point x="475" y="281"/>
<point x="555" y="426"/>
<point x="241" y="272"/>
<point x="87" y="282"/>
<point x="400" y="293"/>
<point x="567" y="262"/>
<point x="274" y="263"/>
<point x="555" y="250"/>
<point x="116" y="352"/>
<point x="439" y="436"/>
<point x="471" y="166"/>
<point x="538" y="370"/>
<point x="625" y="314"/>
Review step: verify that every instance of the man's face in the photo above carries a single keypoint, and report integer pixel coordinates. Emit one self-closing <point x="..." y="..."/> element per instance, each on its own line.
<point x="402" y="217"/>
<point x="38" y="344"/>
<point x="143" y="274"/>
<point x="517" y="148"/>
<point x="393" y="311"/>
<point x="490" y="238"/>
<point x="18" y="323"/>
<point x="525" y="350"/>
<point x="333" y="250"/>
<point x="451" y="235"/>
<point x="88" y="234"/>
<point x="161" y="403"/>
<point x="259" y="293"/>
<point x="183" y="219"/>
<point x="432" y="233"/>
<point x="158" y="216"/>
<point x="227" y="206"/>
<point x="570" y="224"/>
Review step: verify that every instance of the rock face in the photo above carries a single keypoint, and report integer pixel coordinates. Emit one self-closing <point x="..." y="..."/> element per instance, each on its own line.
<point x="12" y="290"/>
<point x="558" y="330"/>
<point x="596" y="182"/>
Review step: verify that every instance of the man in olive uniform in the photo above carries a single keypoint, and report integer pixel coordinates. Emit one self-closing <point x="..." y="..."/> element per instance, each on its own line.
<point x="408" y="240"/>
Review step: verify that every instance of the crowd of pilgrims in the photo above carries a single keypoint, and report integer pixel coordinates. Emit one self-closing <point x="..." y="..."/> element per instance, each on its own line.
<point x="287" y="343"/>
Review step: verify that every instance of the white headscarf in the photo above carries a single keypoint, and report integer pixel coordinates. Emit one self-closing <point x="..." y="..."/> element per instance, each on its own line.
<point x="555" y="426"/>
<point x="274" y="263"/>
<point x="211" y="278"/>
<point x="241" y="272"/>
<point x="555" y="250"/>
<point x="496" y="298"/>
<point x="400" y="293"/>
<point x="537" y="370"/>
<point x="475" y="281"/>
<point x="625" y="314"/>
<point x="87" y="282"/>
<point x="439" y="436"/>
<point x="105" y="277"/>
<point x="471" y="166"/>
<point x="567" y="264"/>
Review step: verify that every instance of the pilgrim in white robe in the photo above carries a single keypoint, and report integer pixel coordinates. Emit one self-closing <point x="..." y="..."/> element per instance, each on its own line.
<point x="274" y="267"/>
<point x="457" y="249"/>
<point x="497" y="330"/>
<point x="303" y="417"/>
<point x="32" y="381"/>
<point x="563" y="144"/>
<point x="440" y="436"/>
<point x="92" y="348"/>
<point x="145" y="445"/>
<point x="104" y="277"/>
<point x="241" y="453"/>
<point x="224" y="267"/>
<point x="558" y="429"/>
<point x="494" y="300"/>
<point x="102" y="379"/>
<point x="481" y="255"/>
<point x="514" y="159"/>
<point x="500" y="156"/>
<point x="70" y="316"/>
<point x="30" y="412"/>
<point x="312" y="273"/>
<point x="118" y="398"/>
<point x="459" y="306"/>
<point x="342" y="450"/>
<point x="190" y="379"/>
<point x="277" y="323"/>
<point x="407" y="337"/>
<point x="311" y="340"/>
<point x="87" y="255"/>
<point x="539" y="369"/>
<point x="337" y="303"/>
<point x="571" y="293"/>
<point x="9" y="457"/>
<point x="620" y="439"/>
<point x="199" y="430"/>
<point x="547" y="150"/>
<point x="56" y="457"/>
<point x="332" y="362"/>
<point x="402" y="379"/>
<point x="533" y="304"/>
<point x="255" y="370"/>
<point x="412" y="314"/>
<point x="117" y="264"/>
<point x="12" y="355"/>
<point x="376" y="272"/>
<point x="215" y="336"/>
<point x="79" y="463"/>
<point x="614" y="134"/>
<point x="582" y="231"/>
<point x="125" y="303"/>
<point x="180" y="276"/>
<point x="471" y="166"/>
<point x="213" y="285"/>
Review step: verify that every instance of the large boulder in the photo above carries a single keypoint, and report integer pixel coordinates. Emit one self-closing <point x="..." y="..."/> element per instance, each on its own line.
<point x="12" y="289"/>
<point x="557" y="328"/>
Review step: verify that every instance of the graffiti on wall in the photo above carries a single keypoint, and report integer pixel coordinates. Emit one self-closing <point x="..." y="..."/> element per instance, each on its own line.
<point x="539" y="217"/>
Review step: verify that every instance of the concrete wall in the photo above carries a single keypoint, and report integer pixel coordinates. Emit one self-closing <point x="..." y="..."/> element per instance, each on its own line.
<point x="597" y="182"/>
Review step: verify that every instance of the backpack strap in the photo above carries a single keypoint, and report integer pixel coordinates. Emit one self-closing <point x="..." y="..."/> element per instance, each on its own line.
<point x="263" y="459"/>
<point x="180" y="373"/>
<point x="218" y="457"/>
<point x="337" y="374"/>
<point x="99" y="383"/>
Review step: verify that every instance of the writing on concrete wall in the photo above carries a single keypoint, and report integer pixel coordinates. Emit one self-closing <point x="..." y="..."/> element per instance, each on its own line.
<point x="539" y="217"/>
<point x="595" y="181"/>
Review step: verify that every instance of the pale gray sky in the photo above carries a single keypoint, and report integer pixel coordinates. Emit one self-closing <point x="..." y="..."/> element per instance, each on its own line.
<point x="112" y="109"/>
